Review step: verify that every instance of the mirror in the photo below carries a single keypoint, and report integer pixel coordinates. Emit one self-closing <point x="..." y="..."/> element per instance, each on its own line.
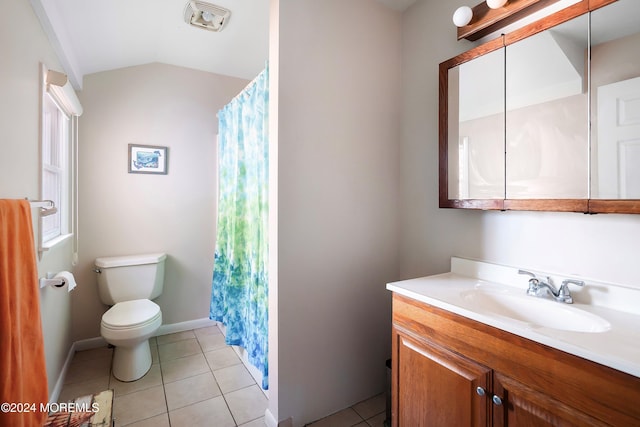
<point x="615" y="101"/>
<point x="562" y="133"/>
<point x="476" y="120"/>
<point x="547" y="114"/>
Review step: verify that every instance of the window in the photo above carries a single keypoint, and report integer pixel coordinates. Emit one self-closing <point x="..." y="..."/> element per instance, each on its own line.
<point x="55" y="168"/>
<point x="60" y="109"/>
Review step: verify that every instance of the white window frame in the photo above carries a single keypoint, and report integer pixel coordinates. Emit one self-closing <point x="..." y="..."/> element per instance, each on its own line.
<point x="58" y="181"/>
<point x="55" y="168"/>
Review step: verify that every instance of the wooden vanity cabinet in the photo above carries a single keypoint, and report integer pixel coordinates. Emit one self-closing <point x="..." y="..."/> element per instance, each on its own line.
<point x="447" y="370"/>
<point x="430" y="376"/>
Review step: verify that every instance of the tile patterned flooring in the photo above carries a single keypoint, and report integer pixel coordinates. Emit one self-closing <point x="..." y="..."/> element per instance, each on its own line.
<point x="370" y="412"/>
<point x="195" y="380"/>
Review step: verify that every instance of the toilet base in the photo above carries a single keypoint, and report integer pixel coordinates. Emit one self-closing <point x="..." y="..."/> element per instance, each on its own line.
<point x="131" y="363"/>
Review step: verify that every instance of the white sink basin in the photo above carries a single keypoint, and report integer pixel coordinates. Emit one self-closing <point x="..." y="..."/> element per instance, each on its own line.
<point x="603" y="325"/>
<point x="536" y="312"/>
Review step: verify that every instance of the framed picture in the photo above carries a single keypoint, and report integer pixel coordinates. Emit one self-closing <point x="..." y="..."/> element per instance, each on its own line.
<point x="148" y="159"/>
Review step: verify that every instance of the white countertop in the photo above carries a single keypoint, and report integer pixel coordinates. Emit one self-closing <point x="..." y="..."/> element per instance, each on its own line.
<point x="617" y="347"/>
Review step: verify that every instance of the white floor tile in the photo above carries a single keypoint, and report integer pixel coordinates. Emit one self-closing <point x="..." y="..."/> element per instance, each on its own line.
<point x="178" y="336"/>
<point x="345" y="418"/>
<point x="195" y="380"/>
<point x="191" y="390"/>
<point x="233" y="378"/>
<point x="161" y="420"/>
<point x="212" y="342"/>
<point x="222" y="358"/>
<point x="184" y="367"/>
<point x="212" y="412"/>
<point x="371" y="407"/>
<point x="247" y="404"/>
<point x="178" y="349"/>
<point x="152" y="378"/>
<point x="139" y="406"/>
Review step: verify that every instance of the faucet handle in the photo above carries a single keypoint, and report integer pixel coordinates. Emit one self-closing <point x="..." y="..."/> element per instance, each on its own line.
<point x="528" y="273"/>
<point x="573" y="281"/>
<point x="564" y="294"/>
<point x="533" y="282"/>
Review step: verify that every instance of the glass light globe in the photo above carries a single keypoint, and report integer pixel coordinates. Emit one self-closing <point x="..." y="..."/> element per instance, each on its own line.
<point x="207" y="16"/>
<point x="496" y="4"/>
<point x="462" y="16"/>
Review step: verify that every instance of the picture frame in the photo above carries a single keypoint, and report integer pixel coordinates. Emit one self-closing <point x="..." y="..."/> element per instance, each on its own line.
<point x="152" y="159"/>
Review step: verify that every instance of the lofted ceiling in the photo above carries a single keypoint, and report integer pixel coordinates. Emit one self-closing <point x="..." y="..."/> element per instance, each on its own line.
<point x="400" y="5"/>
<point x="92" y="36"/>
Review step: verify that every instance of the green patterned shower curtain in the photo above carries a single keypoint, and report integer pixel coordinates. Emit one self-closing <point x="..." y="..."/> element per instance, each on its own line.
<point x="240" y="277"/>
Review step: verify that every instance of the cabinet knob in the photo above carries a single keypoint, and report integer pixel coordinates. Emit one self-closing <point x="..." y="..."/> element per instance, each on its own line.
<point x="496" y="400"/>
<point x="480" y="391"/>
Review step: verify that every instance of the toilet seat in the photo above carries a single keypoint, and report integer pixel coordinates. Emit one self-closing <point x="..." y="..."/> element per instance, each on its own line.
<point x="128" y="325"/>
<point x="131" y="314"/>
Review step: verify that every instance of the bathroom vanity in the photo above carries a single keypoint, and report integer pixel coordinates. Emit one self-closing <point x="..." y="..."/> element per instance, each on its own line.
<point x="470" y="348"/>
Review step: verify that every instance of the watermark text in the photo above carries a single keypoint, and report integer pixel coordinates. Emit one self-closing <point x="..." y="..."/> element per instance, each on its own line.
<point x="21" y="407"/>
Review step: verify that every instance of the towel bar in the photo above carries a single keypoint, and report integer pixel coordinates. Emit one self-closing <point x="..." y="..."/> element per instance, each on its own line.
<point x="47" y="207"/>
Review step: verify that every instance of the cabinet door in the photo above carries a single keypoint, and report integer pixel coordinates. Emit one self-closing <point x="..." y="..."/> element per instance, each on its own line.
<point x="521" y="406"/>
<point x="437" y="387"/>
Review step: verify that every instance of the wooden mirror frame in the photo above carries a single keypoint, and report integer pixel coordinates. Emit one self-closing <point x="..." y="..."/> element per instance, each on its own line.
<point x="551" y="205"/>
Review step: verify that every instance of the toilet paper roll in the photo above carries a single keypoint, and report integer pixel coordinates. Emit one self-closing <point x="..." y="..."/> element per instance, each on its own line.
<point x="68" y="278"/>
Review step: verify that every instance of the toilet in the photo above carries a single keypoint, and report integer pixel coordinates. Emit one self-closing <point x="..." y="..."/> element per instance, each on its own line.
<point x="128" y="284"/>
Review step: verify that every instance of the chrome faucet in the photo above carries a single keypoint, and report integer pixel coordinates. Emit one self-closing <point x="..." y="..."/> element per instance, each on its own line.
<point x="564" y="295"/>
<point x="541" y="289"/>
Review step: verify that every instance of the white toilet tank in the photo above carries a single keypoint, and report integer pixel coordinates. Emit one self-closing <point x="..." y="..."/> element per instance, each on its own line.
<point x="125" y="278"/>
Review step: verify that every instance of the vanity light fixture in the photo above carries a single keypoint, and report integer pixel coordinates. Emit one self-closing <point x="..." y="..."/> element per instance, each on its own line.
<point x="489" y="16"/>
<point x="496" y="4"/>
<point x="462" y="16"/>
<point x="206" y="15"/>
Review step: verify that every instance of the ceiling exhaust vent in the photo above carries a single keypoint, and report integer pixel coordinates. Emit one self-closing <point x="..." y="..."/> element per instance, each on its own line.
<point x="206" y="15"/>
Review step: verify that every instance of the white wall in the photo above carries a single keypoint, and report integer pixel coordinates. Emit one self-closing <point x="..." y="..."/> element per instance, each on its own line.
<point x="338" y="127"/>
<point x="122" y="213"/>
<point x="597" y="246"/>
<point x="428" y="235"/>
<point x="272" y="413"/>
<point x="24" y="46"/>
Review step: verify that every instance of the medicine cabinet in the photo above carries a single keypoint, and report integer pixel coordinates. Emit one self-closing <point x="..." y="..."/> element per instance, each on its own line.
<point x="546" y="117"/>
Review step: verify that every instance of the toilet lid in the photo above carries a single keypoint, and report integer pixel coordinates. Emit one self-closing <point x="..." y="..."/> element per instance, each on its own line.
<point x="131" y="313"/>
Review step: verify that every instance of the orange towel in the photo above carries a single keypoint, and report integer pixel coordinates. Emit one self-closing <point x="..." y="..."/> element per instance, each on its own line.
<point x="23" y="375"/>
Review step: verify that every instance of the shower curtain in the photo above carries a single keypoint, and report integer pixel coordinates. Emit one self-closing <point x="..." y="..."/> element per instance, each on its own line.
<point x="239" y="297"/>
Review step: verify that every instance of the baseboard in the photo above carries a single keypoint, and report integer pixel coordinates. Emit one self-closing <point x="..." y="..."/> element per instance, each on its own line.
<point x="90" y="344"/>
<point x="97" y="342"/>
<point x="185" y="326"/>
<point x="269" y="419"/>
<point x="55" y="393"/>
<point x="81" y="345"/>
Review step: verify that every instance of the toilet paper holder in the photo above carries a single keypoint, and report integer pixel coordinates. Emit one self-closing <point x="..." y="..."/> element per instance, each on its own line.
<point x="51" y="280"/>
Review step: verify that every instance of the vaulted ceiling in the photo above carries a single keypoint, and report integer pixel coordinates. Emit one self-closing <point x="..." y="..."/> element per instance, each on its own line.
<point x="97" y="35"/>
